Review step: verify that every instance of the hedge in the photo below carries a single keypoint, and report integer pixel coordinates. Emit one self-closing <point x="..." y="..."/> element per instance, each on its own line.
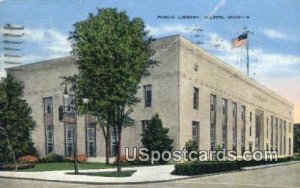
<point x="255" y="163"/>
<point x="195" y="168"/>
<point x="11" y="166"/>
<point x="204" y="167"/>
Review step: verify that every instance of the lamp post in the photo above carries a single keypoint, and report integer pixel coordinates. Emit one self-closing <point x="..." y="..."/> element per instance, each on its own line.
<point x="75" y="153"/>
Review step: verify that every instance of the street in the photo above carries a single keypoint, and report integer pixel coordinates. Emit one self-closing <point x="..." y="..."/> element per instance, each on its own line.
<point x="281" y="176"/>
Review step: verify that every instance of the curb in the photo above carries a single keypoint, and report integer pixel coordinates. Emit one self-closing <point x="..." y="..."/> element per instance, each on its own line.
<point x="148" y="182"/>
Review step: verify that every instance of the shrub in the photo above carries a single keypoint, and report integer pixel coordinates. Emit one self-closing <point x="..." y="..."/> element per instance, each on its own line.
<point x="263" y="162"/>
<point x="82" y="158"/>
<point x="196" y="168"/>
<point x="11" y="166"/>
<point x="52" y="158"/>
<point x="28" y="159"/>
<point x="155" y="137"/>
<point x="123" y="159"/>
<point x="191" y="145"/>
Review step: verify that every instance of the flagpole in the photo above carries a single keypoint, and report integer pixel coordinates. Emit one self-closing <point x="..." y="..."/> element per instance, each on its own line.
<point x="248" y="55"/>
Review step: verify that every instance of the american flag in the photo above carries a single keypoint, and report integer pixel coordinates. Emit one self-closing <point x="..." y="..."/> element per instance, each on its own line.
<point x="240" y="41"/>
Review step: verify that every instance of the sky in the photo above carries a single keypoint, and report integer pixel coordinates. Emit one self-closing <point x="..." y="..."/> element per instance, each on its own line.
<point x="274" y="25"/>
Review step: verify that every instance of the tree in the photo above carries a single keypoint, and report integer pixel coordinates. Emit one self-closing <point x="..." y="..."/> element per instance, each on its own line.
<point x="191" y="145"/>
<point x="113" y="55"/>
<point x="155" y="136"/>
<point x="15" y="121"/>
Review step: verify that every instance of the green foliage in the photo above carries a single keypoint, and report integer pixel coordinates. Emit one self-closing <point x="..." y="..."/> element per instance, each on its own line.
<point x="11" y="166"/>
<point x="204" y="167"/>
<point x="191" y="145"/>
<point x="16" y="121"/>
<point x="155" y="136"/>
<point x="196" y="168"/>
<point x="113" y="55"/>
<point x="52" y="158"/>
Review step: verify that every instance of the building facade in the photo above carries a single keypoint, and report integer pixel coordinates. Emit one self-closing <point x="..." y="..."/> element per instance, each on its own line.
<point x="196" y="95"/>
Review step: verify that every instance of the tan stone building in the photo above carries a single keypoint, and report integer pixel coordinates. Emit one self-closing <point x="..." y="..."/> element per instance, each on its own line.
<point x="197" y="96"/>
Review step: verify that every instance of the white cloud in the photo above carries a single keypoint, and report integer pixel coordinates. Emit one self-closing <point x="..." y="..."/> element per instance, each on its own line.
<point x="263" y="64"/>
<point x="165" y="29"/>
<point x="271" y="33"/>
<point x="51" y="39"/>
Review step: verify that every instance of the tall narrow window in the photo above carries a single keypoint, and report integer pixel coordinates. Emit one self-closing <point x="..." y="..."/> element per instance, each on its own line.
<point x="213" y="104"/>
<point x="290" y="145"/>
<point x="114" y="142"/>
<point x="284" y="138"/>
<point x="276" y="134"/>
<point x="50" y="138"/>
<point x="48" y="121"/>
<point x="91" y="140"/>
<point x="148" y="95"/>
<point x="195" y="132"/>
<point x="69" y="104"/>
<point x="250" y="146"/>
<point x="280" y="137"/>
<point x="243" y="128"/>
<point x="196" y="98"/>
<point x="224" y="123"/>
<point x="234" y="126"/>
<point x="272" y="133"/>
<point x="250" y="116"/>
<point x="267" y="127"/>
<point x="69" y="147"/>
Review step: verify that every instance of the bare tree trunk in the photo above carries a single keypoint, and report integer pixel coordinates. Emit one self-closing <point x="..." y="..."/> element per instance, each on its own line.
<point x="119" y="149"/>
<point x="107" y="146"/>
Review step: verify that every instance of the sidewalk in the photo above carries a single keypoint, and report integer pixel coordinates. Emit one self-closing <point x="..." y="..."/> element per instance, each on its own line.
<point x="142" y="175"/>
<point x="269" y="165"/>
<point x="147" y="174"/>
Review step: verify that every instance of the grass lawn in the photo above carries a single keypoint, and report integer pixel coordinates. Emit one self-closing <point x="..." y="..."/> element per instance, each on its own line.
<point x="126" y="173"/>
<point x="66" y="166"/>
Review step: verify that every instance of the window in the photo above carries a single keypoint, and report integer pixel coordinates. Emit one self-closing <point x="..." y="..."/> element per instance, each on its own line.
<point x="91" y="140"/>
<point x="290" y="127"/>
<point x="267" y="127"/>
<point x="196" y="98"/>
<point x="195" y="132"/>
<point x="48" y="123"/>
<point x="145" y="124"/>
<point x="50" y="138"/>
<point x="224" y="123"/>
<point x="250" y="116"/>
<point x="290" y="144"/>
<point x="48" y="105"/>
<point x="234" y="126"/>
<point x="272" y="133"/>
<point x="69" y="140"/>
<point x="284" y="138"/>
<point x="114" y="142"/>
<point x="69" y="104"/>
<point x="276" y="134"/>
<point x="280" y="138"/>
<point x="243" y="128"/>
<point x="250" y="146"/>
<point x="213" y="104"/>
<point x="148" y="95"/>
<point x="250" y="131"/>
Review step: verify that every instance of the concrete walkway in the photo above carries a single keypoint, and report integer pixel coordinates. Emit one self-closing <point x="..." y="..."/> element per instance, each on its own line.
<point x="142" y="175"/>
<point x="146" y="174"/>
